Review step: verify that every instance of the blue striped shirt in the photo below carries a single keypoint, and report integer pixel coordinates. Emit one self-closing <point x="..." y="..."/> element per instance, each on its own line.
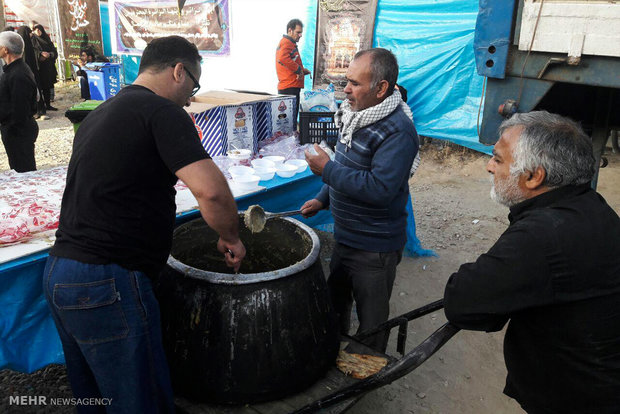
<point x="366" y="186"/>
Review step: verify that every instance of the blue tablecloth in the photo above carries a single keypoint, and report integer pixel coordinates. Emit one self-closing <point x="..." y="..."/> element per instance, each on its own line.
<point x="28" y="337"/>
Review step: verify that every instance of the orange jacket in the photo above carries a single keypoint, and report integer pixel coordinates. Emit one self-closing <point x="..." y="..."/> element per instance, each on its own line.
<point x="289" y="68"/>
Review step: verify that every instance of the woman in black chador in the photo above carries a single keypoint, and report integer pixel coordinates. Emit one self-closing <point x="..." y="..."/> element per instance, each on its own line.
<point x="48" y="54"/>
<point x="30" y="57"/>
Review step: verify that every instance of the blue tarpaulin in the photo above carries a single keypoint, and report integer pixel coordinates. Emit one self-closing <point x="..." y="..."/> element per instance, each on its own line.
<point x="28" y="336"/>
<point x="433" y="41"/>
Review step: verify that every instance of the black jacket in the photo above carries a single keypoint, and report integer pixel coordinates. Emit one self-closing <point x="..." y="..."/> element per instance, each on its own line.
<point x="47" y="67"/>
<point x="18" y="95"/>
<point x="555" y="274"/>
<point x="30" y="56"/>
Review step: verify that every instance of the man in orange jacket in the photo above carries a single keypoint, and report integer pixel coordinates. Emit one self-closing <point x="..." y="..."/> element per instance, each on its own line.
<point x="289" y="68"/>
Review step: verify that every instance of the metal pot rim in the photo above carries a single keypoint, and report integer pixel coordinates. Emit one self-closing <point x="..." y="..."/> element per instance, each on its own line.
<point x="247" y="278"/>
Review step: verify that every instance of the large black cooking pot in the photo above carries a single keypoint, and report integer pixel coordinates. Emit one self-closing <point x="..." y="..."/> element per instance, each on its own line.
<point x="258" y="335"/>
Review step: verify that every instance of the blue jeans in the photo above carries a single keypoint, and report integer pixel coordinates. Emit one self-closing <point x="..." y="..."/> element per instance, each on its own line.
<point x="109" y="325"/>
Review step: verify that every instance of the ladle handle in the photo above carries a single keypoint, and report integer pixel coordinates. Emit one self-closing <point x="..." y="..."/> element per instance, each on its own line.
<point x="283" y="214"/>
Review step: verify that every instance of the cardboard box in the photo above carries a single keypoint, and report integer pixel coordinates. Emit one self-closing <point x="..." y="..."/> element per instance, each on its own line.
<point x="227" y="120"/>
<point x="278" y="113"/>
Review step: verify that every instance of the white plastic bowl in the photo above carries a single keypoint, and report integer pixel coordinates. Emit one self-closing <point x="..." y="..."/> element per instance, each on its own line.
<point x="276" y="159"/>
<point x="239" y="154"/>
<point x="286" y="170"/>
<point x="246" y="182"/>
<point x="238" y="170"/>
<point x="265" y="173"/>
<point x="300" y="164"/>
<point x="261" y="163"/>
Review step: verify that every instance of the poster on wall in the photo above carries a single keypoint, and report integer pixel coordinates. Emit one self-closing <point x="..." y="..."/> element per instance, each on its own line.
<point x="206" y="23"/>
<point x="344" y="27"/>
<point x="80" y="26"/>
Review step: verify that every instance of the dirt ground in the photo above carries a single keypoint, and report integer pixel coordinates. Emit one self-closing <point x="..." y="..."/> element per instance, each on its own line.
<point x="455" y="217"/>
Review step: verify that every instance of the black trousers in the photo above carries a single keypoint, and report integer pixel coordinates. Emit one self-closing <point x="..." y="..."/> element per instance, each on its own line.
<point x="292" y="91"/>
<point x="367" y="278"/>
<point x="19" y="142"/>
<point x="47" y="96"/>
<point x="41" y="104"/>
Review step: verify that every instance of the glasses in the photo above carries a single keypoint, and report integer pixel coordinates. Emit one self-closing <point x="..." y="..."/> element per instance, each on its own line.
<point x="196" y="84"/>
<point x="193" y="78"/>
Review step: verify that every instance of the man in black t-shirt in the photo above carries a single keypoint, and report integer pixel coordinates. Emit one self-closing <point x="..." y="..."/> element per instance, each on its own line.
<point x="115" y="230"/>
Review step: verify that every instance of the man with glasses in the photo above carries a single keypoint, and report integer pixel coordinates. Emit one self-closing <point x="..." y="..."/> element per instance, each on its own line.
<point x="115" y="230"/>
<point x="193" y="78"/>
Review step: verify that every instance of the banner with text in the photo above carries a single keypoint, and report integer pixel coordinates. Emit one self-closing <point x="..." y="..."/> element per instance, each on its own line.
<point x="206" y="23"/>
<point x="80" y="26"/>
<point x="344" y="27"/>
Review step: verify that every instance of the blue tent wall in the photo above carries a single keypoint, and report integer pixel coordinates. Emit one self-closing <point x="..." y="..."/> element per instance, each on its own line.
<point x="104" y="12"/>
<point x="433" y="41"/>
<point x="130" y="63"/>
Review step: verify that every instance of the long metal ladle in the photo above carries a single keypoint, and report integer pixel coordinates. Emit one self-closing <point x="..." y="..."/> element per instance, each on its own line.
<point x="255" y="217"/>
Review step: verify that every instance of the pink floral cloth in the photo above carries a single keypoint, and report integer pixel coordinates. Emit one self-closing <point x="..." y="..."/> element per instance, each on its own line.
<point x="29" y="203"/>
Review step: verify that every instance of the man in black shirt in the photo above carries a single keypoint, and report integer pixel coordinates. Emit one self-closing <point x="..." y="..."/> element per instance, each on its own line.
<point x="554" y="273"/>
<point x="115" y="230"/>
<point x="18" y="104"/>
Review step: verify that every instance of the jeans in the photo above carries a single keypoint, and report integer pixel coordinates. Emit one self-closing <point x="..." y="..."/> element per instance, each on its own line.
<point x="368" y="278"/>
<point x="109" y="324"/>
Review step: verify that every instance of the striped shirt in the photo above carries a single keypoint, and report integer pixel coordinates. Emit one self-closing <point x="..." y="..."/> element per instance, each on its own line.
<point x="366" y="186"/>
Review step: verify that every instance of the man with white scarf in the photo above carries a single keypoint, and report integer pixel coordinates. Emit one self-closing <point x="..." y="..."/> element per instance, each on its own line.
<point x="366" y="188"/>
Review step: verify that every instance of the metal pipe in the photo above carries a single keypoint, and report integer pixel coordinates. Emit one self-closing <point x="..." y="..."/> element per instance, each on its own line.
<point x="416" y="313"/>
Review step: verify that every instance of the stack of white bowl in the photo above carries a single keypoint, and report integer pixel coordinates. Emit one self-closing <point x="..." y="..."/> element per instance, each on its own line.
<point x="239" y="154"/>
<point x="244" y="178"/>
<point x="281" y="169"/>
<point x="276" y="159"/>
<point x="269" y="165"/>
<point x="286" y="170"/>
<point x="301" y="165"/>
<point x="265" y="169"/>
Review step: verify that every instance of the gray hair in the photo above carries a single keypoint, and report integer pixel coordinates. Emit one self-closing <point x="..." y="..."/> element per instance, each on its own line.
<point x="555" y="143"/>
<point x="13" y="42"/>
<point x="383" y="66"/>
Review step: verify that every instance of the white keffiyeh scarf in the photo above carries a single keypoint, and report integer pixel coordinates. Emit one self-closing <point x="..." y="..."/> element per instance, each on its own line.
<point x="349" y="121"/>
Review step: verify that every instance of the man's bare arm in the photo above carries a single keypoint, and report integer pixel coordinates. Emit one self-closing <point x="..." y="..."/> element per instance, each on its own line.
<point x="217" y="205"/>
